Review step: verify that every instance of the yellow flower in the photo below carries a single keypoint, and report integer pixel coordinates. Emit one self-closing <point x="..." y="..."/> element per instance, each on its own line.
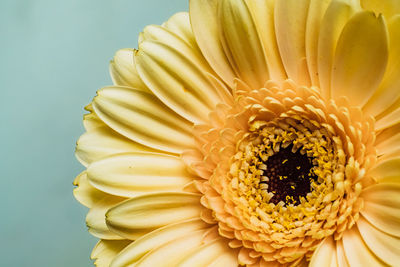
<point x="250" y="132"/>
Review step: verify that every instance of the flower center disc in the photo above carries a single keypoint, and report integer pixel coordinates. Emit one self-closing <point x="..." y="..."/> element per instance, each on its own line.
<point x="288" y="175"/>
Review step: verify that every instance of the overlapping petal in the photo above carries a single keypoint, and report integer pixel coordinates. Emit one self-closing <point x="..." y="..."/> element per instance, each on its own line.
<point x="133" y="174"/>
<point x="85" y="193"/>
<point x="241" y="42"/>
<point x="123" y="70"/>
<point x="316" y="12"/>
<point x="360" y="58"/>
<point x="102" y="142"/>
<point x="387" y="93"/>
<point x="106" y="250"/>
<point x="356" y="251"/>
<point x="151" y="241"/>
<point x="177" y="74"/>
<point x="170" y="254"/>
<point x="143" y="214"/>
<point x="263" y="15"/>
<point x="384" y="246"/>
<point x="204" y="20"/>
<point x="336" y="16"/>
<point x="143" y="118"/>
<point x="290" y="27"/>
<point x="96" y="218"/>
<point x="388" y="8"/>
<point x="382" y="207"/>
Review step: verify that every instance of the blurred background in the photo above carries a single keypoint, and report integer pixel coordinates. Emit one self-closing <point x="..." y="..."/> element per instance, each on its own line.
<point x="54" y="56"/>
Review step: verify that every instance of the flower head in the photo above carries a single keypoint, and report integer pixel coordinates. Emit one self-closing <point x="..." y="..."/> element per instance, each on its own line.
<point x="250" y="132"/>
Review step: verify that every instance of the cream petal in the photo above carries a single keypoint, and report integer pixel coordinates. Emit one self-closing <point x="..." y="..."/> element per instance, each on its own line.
<point x="263" y="14"/>
<point x="357" y="253"/>
<point x="96" y="218"/>
<point x="91" y="121"/>
<point x="85" y="193"/>
<point x="384" y="246"/>
<point x="141" y="117"/>
<point x="226" y="259"/>
<point x="360" y="58"/>
<point x="207" y="254"/>
<point x="140" y="247"/>
<point x="290" y="25"/>
<point x="204" y="20"/>
<point x="123" y="70"/>
<point x="133" y="174"/>
<point x="325" y="254"/>
<point x="388" y="8"/>
<point x="382" y="207"/>
<point x="143" y="214"/>
<point x="335" y="18"/>
<point x="388" y="91"/>
<point x="102" y="142"/>
<point x="171" y="253"/>
<point x="180" y="25"/>
<point x="105" y="251"/>
<point x="389" y="145"/>
<point x="387" y="171"/>
<point x="177" y="74"/>
<point x="340" y="255"/>
<point x="241" y="42"/>
<point x="316" y="12"/>
<point x="389" y="120"/>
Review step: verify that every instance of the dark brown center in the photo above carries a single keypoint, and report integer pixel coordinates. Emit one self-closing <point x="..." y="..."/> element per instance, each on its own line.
<point x="289" y="176"/>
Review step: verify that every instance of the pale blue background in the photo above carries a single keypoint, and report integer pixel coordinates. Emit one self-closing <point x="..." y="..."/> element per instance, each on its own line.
<point x="54" y="56"/>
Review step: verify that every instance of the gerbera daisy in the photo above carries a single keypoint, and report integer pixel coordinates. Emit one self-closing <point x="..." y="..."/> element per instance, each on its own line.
<point x="250" y="132"/>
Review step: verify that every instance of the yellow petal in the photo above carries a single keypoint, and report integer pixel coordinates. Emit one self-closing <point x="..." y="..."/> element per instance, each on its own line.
<point x="206" y="254"/>
<point x="171" y="253"/>
<point x="325" y="254"/>
<point x="85" y="193"/>
<point x="123" y="70"/>
<point x="388" y="8"/>
<point x="141" y="117"/>
<point x="360" y="58"/>
<point x="387" y="171"/>
<point x="388" y="91"/>
<point x="382" y="207"/>
<point x="203" y="16"/>
<point x="145" y="213"/>
<point x="105" y="251"/>
<point x="179" y="24"/>
<point x="263" y="15"/>
<point x="242" y="44"/>
<point x="102" y="142"/>
<point x="290" y="25"/>
<point x="140" y="247"/>
<point x="177" y="74"/>
<point x="96" y="218"/>
<point x="384" y="246"/>
<point x="316" y="12"/>
<point x="132" y="174"/>
<point x="357" y="253"/>
<point x="335" y="18"/>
